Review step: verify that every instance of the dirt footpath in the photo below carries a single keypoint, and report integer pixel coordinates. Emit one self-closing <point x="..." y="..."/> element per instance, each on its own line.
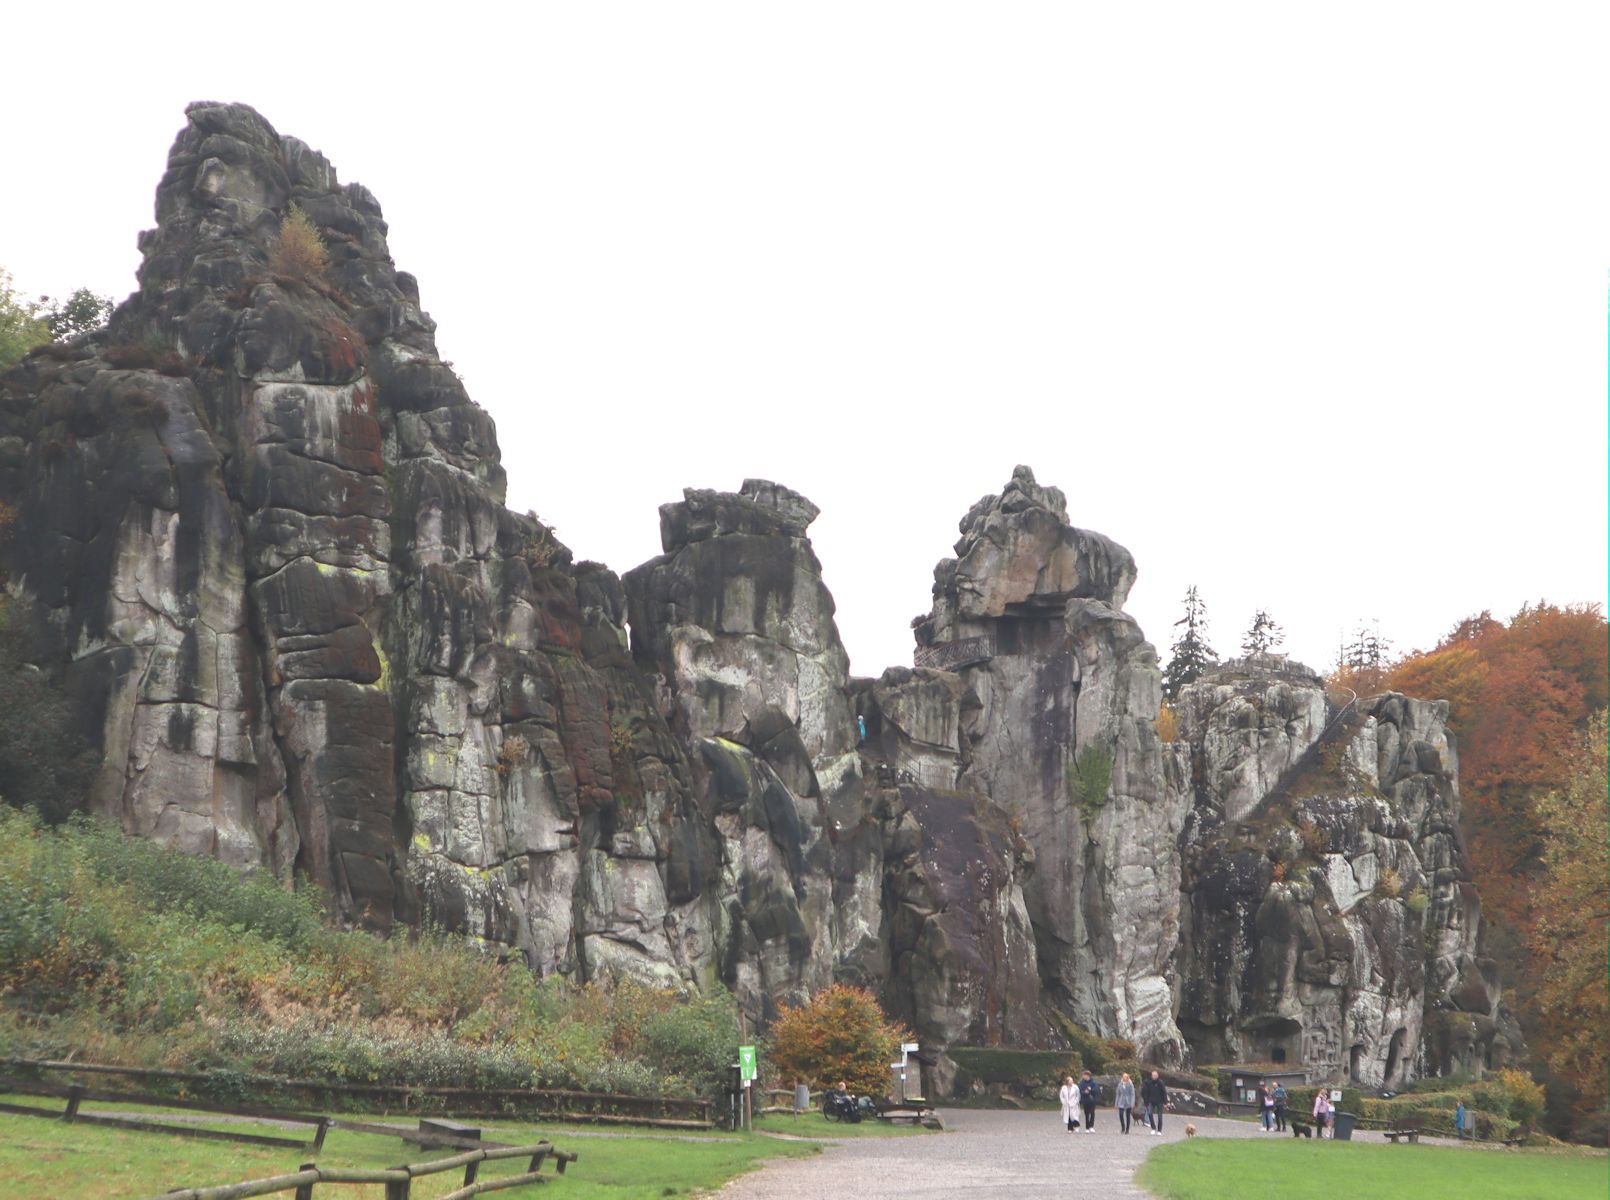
<point x="983" y="1155"/>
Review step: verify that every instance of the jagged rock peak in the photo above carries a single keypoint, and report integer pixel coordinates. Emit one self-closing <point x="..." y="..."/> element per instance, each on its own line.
<point x="1020" y="494"/>
<point x="759" y="507"/>
<point x="1018" y="549"/>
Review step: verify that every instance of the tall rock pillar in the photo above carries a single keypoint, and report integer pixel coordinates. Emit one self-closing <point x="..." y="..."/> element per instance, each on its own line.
<point x="1029" y="614"/>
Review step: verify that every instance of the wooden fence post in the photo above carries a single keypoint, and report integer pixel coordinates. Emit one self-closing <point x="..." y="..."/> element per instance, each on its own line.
<point x="74" y="1095"/>
<point x="318" y="1137"/>
<point x="304" y="1191"/>
<point x="398" y="1189"/>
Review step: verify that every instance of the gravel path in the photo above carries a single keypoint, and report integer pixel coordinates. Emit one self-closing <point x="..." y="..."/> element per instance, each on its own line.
<point x="984" y="1154"/>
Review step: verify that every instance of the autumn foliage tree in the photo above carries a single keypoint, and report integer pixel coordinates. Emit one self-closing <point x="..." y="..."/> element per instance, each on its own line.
<point x="841" y="1034"/>
<point x="1521" y="697"/>
<point x="1569" y="935"/>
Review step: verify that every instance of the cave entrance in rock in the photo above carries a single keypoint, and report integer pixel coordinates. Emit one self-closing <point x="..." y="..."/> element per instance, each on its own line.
<point x="1393" y="1052"/>
<point x="1353" y="1056"/>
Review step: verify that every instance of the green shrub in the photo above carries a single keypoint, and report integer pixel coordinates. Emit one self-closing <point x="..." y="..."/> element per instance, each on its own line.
<point x="692" y="1042"/>
<point x="1301" y="1100"/>
<point x="1090" y="779"/>
<point x="121" y="951"/>
<point x="1511" y="1093"/>
<point x="1097" y="1054"/>
<point x="1020" y="1071"/>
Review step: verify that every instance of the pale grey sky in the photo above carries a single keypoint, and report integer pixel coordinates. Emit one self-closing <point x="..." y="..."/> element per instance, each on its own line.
<point x="1303" y="305"/>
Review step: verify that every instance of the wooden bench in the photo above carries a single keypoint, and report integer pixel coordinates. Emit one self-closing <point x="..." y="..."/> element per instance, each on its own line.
<point x="1409" y="1127"/>
<point x="916" y="1110"/>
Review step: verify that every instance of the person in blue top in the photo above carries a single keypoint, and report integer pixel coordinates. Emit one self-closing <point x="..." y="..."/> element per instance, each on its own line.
<point x="1460" y="1117"/>
<point x="1089" y="1094"/>
<point x="1280" y="1107"/>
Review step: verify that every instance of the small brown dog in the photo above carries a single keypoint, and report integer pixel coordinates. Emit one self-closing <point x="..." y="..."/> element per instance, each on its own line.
<point x="1190" y="1131"/>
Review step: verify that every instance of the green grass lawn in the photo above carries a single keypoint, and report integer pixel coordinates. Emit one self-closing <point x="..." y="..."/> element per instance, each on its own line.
<point x="815" y="1125"/>
<point x="43" y="1157"/>
<point x="1227" y="1169"/>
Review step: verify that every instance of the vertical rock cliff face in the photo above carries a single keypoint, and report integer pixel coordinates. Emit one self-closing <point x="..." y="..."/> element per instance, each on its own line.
<point x="1060" y="736"/>
<point x="260" y="541"/>
<point x="835" y="864"/>
<point x="736" y="623"/>
<point x="1329" y="918"/>
<point x="261" y="532"/>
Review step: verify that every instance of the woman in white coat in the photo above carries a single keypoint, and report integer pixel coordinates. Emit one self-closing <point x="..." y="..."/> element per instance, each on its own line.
<point x="1069" y="1095"/>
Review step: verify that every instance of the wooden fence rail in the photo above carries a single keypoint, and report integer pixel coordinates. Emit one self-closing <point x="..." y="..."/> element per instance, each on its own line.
<point x="398" y="1180"/>
<point x="604" y="1107"/>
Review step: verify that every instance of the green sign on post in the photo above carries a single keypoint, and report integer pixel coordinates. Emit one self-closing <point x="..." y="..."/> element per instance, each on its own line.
<point x="746" y="1063"/>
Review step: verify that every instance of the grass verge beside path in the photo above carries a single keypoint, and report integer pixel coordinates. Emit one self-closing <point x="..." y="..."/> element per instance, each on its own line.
<point x="1214" y="1169"/>
<point x="43" y="1157"/>
<point x="815" y="1125"/>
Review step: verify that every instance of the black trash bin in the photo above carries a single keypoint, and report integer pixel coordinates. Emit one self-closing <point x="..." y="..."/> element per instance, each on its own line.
<point x="1344" y="1125"/>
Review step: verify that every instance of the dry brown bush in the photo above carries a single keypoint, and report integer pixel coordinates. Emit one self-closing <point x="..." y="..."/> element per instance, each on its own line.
<point x="299" y="252"/>
<point x="1168" y="724"/>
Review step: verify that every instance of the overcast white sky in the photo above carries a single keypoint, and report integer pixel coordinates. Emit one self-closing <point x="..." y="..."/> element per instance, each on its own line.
<point x="1303" y="306"/>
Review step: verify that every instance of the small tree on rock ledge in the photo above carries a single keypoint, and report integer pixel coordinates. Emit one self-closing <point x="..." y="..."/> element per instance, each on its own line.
<point x="1191" y="656"/>
<point x="1263" y="635"/>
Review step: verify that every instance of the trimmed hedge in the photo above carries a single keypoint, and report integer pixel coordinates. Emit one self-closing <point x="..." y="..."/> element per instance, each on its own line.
<point x="1022" y="1071"/>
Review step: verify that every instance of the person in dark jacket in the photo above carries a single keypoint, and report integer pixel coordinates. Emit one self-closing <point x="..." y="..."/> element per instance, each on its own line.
<point x="1280" y="1108"/>
<point x="1154" y="1095"/>
<point x="1089" y="1094"/>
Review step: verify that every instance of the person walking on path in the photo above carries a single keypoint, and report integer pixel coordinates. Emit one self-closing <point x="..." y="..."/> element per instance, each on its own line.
<point x="1321" y="1112"/>
<point x="1069" y="1095"/>
<point x="1154" y="1095"/>
<point x="1266" y="1108"/>
<point x="1460" y="1117"/>
<point x="1280" y="1107"/>
<point x="1123" y="1099"/>
<point x="1089" y="1095"/>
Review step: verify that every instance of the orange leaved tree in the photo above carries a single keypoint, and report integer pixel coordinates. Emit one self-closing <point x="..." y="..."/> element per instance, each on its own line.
<point x="841" y="1034"/>
<point x="1569" y="940"/>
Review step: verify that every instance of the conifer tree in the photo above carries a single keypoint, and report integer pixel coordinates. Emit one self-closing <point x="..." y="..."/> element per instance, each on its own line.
<point x="1191" y="654"/>
<point x="1263" y="635"/>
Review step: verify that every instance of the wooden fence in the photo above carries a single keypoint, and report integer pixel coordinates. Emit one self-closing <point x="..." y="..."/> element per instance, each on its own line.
<point x="398" y="1180"/>
<point x="29" y="1076"/>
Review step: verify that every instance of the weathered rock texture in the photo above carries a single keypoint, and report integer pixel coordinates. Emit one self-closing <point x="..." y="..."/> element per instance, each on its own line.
<point x="1329" y="918"/>
<point x="308" y="635"/>
<point x="260" y="536"/>
<point x="832" y="865"/>
<point x="1059" y="733"/>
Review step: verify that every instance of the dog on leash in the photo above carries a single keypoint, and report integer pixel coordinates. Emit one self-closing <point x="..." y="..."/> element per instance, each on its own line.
<point x="1298" y="1129"/>
<point x="1190" y="1131"/>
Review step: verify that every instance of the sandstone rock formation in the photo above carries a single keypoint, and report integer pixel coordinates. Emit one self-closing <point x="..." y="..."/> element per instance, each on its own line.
<point x="260" y="526"/>
<point x="1329" y="919"/>
<point x="260" y="541"/>
<point x="1060" y="735"/>
<point x="833" y="866"/>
